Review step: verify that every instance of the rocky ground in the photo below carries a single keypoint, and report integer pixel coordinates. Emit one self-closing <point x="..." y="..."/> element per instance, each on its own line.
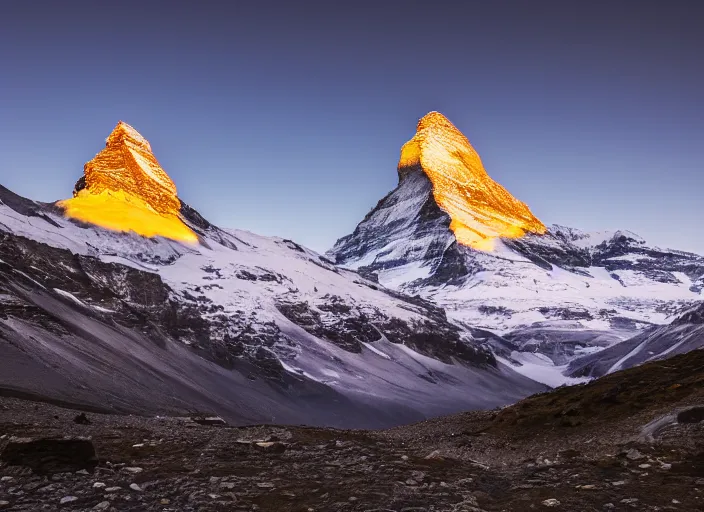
<point x="629" y="441"/>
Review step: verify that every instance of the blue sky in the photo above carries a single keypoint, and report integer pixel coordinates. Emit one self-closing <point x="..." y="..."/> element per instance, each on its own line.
<point x="287" y="118"/>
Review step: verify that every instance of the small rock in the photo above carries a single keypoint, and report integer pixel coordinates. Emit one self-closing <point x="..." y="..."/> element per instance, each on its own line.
<point x="164" y="501"/>
<point x="227" y="485"/>
<point x="135" y="487"/>
<point x="352" y="499"/>
<point x="634" y="454"/>
<point x="81" y="419"/>
<point x="139" y="445"/>
<point x="418" y="475"/>
<point x="665" y="466"/>
<point x="552" y="502"/>
<point x="98" y="485"/>
<point x="265" y="485"/>
<point x="214" y="479"/>
<point x="629" y="500"/>
<point x="411" y="482"/>
<point x="209" y="420"/>
<point x="272" y="447"/>
<point x="404" y="457"/>
<point x="675" y="502"/>
<point x="67" y="499"/>
<point x="82" y="472"/>
<point x="570" y="454"/>
<point x="213" y="496"/>
<point x="103" y="505"/>
<point x="113" y="489"/>
<point x="620" y="482"/>
<point x="434" y="456"/>
<point x="6" y="479"/>
<point x="609" y="506"/>
<point x="644" y="466"/>
<point x="134" y="470"/>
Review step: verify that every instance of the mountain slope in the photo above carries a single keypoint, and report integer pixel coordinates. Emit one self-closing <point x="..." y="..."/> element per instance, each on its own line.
<point x="633" y="439"/>
<point x="256" y="329"/>
<point x="684" y="334"/>
<point x="559" y="291"/>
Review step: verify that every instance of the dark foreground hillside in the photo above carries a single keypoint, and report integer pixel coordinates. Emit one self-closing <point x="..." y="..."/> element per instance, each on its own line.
<point x="633" y="440"/>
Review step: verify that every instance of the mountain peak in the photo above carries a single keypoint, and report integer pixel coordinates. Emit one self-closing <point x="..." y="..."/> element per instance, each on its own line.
<point x="480" y="208"/>
<point x="124" y="188"/>
<point x="435" y="118"/>
<point x="125" y="132"/>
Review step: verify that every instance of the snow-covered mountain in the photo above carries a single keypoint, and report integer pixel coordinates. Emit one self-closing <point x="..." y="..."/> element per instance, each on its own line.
<point x="558" y="291"/>
<point x="685" y="333"/>
<point x="252" y="328"/>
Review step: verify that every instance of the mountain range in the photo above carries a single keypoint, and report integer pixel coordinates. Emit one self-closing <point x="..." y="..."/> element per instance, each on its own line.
<point x="449" y="295"/>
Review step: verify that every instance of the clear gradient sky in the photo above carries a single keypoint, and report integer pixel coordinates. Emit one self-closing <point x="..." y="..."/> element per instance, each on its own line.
<point x="286" y="118"/>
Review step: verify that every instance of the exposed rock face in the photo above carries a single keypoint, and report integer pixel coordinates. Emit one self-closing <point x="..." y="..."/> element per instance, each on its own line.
<point x="405" y="226"/>
<point x="481" y="210"/>
<point x="125" y="189"/>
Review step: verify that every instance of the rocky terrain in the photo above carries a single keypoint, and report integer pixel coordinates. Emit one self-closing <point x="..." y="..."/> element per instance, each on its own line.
<point x="633" y="440"/>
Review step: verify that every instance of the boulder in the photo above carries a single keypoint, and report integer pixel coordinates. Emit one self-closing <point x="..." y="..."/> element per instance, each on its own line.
<point x="48" y="456"/>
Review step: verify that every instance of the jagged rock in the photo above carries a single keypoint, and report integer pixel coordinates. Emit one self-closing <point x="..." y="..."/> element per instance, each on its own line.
<point x="47" y="456"/>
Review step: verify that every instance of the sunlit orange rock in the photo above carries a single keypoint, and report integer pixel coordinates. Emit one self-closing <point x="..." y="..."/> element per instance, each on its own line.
<point x="125" y="189"/>
<point x="480" y="209"/>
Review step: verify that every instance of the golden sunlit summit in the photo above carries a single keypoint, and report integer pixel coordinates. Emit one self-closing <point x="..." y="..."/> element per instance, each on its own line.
<point x="480" y="209"/>
<point x="125" y="189"/>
